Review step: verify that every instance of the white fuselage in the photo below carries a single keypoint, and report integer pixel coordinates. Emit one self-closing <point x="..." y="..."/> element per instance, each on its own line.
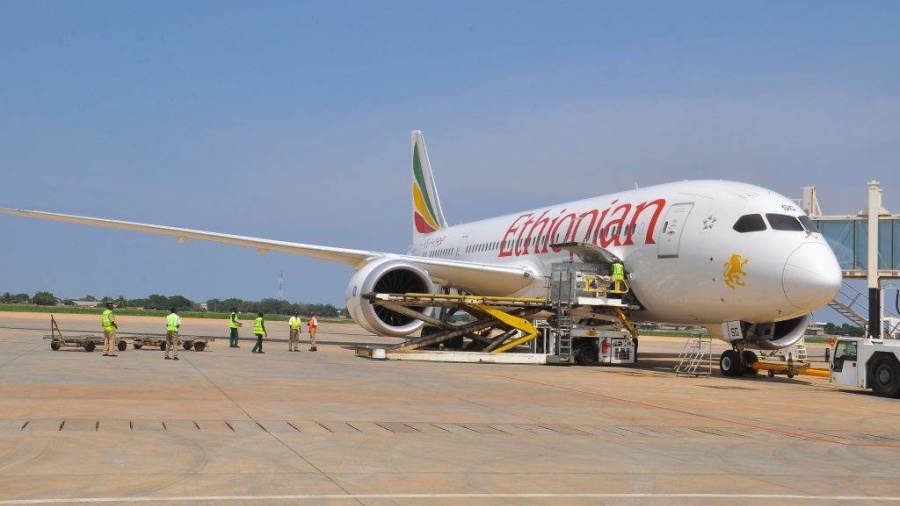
<point x="685" y="261"/>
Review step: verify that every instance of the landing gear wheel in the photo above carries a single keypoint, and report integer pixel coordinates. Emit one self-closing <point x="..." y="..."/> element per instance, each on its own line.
<point x="455" y="343"/>
<point x="187" y="345"/>
<point x="730" y="364"/>
<point x="162" y="345"/>
<point x="586" y="352"/>
<point x="885" y="377"/>
<point x="89" y="346"/>
<point x="121" y="345"/>
<point x="199" y="346"/>
<point x="55" y="345"/>
<point x="750" y="358"/>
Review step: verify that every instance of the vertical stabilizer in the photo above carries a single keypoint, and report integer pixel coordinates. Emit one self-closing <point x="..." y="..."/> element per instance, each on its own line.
<point x="428" y="216"/>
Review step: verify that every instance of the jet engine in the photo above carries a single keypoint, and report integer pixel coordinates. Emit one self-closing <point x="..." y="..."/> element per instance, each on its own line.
<point x="387" y="276"/>
<point x="769" y="335"/>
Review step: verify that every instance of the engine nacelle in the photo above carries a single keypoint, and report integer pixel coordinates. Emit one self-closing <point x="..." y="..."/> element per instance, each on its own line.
<point x="769" y="335"/>
<point x="387" y="276"/>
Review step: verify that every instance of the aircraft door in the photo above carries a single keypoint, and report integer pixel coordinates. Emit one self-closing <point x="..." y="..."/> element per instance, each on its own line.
<point x="844" y="370"/>
<point x="670" y="236"/>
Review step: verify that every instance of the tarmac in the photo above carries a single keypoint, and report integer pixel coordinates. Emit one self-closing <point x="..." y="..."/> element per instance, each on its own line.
<point x="227" y="427"/>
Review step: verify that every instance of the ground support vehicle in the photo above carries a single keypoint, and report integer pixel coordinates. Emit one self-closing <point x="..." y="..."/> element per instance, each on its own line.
<point x="867" y="363"/>
<point x="789" y="369"/>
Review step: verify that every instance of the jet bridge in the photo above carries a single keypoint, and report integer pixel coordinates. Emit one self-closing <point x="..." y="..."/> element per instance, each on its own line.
<point x="504" y="324"/>
<point x="867" y="246"/>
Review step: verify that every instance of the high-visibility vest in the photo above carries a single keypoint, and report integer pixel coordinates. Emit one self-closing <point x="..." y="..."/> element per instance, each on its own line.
<point x="106" y="321"/>
<point x="172" y="323"/>
<point x="295" y="322"/>
<point x="232" y="322"/>
<point x="258" y="327"/>
<point x="313" y="322"/>
<point x="618" y="272"/>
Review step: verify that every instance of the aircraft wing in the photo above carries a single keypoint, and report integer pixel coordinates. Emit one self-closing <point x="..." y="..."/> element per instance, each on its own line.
<point x="468" y="274"/>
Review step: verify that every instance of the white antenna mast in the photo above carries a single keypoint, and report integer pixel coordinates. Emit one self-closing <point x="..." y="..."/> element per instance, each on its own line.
<point x="279" y="289"/>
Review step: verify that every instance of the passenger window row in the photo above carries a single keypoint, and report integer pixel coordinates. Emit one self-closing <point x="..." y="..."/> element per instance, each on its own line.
<point x="485" y="246"/>
<point x="440" y="253"/>
<point x="755" y="223"/>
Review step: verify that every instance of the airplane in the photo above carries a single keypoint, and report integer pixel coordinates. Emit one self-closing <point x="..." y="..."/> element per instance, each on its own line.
<point x="741" y="260"/>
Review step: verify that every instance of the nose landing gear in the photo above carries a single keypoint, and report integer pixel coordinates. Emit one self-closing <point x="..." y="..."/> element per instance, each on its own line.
<point x="737" y="362"/>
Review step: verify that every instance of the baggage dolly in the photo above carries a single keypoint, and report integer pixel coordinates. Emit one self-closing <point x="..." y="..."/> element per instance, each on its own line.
<point x="187" y="342"/>
<point x="87" y="341"/>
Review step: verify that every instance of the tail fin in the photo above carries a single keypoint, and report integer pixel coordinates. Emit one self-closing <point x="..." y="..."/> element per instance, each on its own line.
<point x="427" y="214"/>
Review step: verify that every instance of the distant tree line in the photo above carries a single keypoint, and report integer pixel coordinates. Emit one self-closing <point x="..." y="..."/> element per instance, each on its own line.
<point x="274" y="306"/>
<point x="182" y="303"/>
<point x="844" y="330"/>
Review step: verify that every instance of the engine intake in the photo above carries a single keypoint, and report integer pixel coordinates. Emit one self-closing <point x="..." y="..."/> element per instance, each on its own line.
<point x="387" y="276"/>
<point x="769" y="335"/>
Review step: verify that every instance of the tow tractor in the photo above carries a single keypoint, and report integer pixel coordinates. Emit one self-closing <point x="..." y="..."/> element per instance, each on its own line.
<point x="867" y="363"/>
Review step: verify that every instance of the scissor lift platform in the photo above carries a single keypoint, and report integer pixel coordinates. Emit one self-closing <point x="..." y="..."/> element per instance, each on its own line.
<point x="506" y="313"/>
<point x="510" y="316"/>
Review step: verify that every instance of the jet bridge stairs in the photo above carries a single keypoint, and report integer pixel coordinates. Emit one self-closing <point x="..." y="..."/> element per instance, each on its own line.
<point x="501" y="325"/>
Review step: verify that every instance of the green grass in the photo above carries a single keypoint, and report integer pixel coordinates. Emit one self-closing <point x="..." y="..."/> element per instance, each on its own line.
<point x="16" y="308"/>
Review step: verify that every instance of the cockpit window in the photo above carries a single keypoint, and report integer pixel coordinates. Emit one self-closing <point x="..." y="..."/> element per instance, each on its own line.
<point x="750" y="223"/>
<point x="808" y="223"/>
<point x="784" y="222"/>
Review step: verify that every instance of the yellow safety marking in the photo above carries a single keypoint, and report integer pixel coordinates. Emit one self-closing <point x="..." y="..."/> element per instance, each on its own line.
<point x="628" y="326"/>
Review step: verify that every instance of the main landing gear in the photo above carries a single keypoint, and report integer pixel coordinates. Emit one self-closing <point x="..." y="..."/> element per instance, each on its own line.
<point x="737" y="362"/>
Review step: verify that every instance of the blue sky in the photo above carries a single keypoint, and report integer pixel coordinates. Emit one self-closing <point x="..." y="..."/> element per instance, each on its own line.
<point x="291" y="120"/>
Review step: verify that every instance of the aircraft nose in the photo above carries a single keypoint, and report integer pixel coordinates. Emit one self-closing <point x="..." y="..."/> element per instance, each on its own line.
<point x="812" y="276"/>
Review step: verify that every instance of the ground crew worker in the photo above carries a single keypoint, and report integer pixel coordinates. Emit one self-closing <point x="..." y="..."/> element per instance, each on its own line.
<point x="313" y="325"/>
<point x="173" y="323"/>
<point x="618" y="276"/>
<point x="259" y="330"/>
<point x="295" y="324"/>
<point x="233" y="324"/>
<point x="108" y="320"/>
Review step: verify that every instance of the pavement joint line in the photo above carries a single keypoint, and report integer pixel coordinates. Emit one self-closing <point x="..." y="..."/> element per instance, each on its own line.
<point x="359" y="497"/>
<point x="493" y="428"/>
<point x="752" y="425"/>
<point x="274" y="436"/>
<point x="20" y="355"/>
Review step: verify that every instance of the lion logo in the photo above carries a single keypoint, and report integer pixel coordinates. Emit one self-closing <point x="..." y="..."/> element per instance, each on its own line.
<point x="734" y="271"/>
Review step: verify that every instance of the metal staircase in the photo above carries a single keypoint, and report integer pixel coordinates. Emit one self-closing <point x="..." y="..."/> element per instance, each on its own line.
<point x="695" y="358"/>
<point x="562" y="293"/>
<point x="852" y="304"/>
<point x="849" y="302"/>
<point x="800" y="347"/>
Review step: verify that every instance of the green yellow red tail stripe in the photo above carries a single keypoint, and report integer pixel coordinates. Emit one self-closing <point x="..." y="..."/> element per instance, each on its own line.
<point x="427" y="216"/>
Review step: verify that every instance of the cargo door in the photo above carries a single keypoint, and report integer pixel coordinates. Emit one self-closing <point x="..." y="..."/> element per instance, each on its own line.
<point x="670" y="236"/>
